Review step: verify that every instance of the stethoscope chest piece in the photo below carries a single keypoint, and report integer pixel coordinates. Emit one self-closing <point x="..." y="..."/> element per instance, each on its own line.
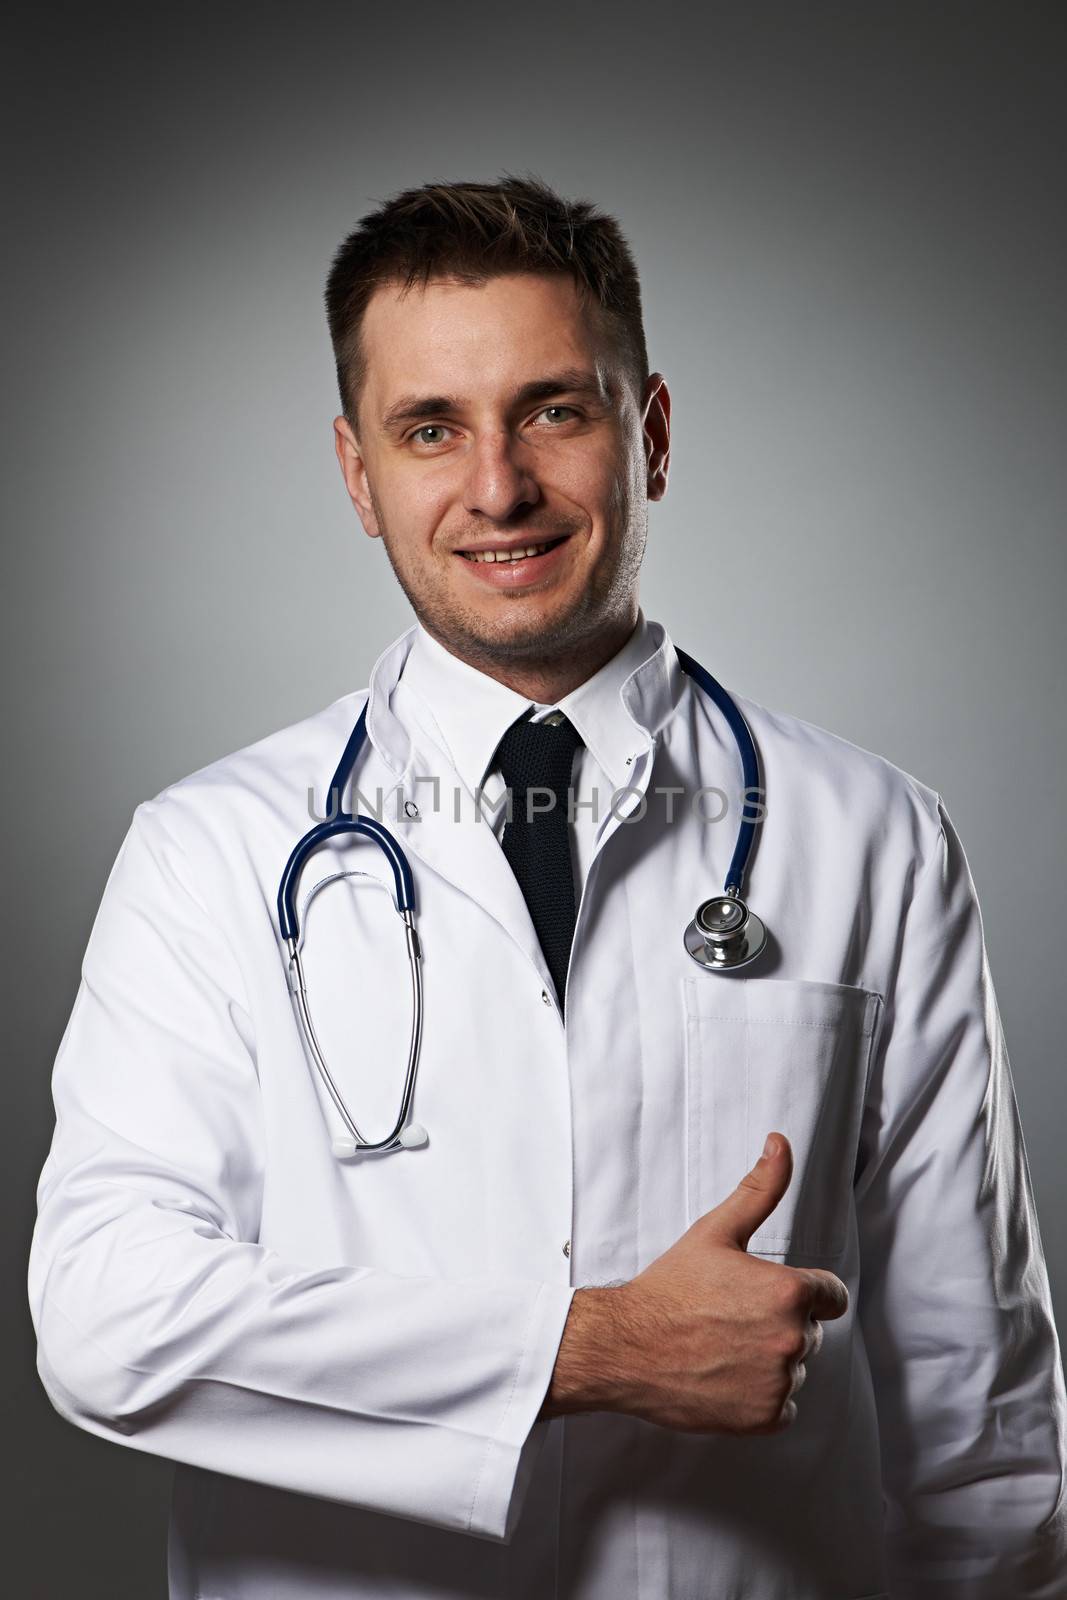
<point x="724" y="934"/>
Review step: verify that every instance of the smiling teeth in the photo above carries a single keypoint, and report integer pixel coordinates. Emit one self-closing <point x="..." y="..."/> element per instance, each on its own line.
<point x="504" y="555"/>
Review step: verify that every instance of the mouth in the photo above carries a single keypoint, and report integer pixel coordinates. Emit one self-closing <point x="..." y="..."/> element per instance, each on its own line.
<point x="513" y="568"/>
<point x="516" y="553"/>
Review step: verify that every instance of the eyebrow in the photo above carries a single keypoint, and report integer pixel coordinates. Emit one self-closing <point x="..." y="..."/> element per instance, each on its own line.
<point x="571" y="380"/>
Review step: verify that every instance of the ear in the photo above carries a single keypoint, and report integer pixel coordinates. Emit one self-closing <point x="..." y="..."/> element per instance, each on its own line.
<point x="656" y="418"/>
<point x="354" y="472"/>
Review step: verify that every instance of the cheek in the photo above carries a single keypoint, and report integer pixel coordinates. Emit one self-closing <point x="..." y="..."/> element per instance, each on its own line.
<point x="591" y="478"/>
<point x="415" y="504"/>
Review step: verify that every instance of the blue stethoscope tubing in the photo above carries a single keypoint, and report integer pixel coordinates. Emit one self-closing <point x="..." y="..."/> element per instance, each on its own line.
<point x="722" y="936"/>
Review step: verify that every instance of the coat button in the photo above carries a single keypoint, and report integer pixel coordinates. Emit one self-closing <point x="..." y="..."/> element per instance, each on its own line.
<point x="566" y="1247"/>
<point x="546" y="997"/>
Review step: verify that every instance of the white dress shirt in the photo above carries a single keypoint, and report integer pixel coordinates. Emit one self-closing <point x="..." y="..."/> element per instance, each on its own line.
<point x="346" y="1358"/>
<point x="467" y="713"/>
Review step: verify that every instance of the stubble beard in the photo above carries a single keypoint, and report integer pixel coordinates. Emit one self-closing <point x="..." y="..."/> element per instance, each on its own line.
<point x="469" y="634"/>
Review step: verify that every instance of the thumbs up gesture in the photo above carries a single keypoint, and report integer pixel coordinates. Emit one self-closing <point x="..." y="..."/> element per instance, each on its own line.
<point x="728" y="1333"/>
<point x="707" y="1339"/>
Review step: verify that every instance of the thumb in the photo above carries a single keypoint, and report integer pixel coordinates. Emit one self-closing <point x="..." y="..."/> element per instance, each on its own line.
<point x="756" y="1196"/>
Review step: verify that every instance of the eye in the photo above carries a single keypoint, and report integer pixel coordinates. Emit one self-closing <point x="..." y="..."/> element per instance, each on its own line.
<point x="427" y="427"/>
<point x="571" y="409"/>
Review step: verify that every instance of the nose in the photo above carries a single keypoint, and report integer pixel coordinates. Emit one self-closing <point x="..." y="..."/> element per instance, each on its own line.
<point x="498" y="483"/>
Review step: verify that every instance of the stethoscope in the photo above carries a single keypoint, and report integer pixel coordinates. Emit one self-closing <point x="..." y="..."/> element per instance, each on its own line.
<point x="723" y="935"/>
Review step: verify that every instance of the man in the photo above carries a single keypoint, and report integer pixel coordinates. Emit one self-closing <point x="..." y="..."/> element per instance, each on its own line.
<point x="585" y="1340"/>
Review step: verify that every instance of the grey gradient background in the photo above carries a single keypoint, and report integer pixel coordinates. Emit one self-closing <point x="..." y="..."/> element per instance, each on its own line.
<point x="849" y="222"/>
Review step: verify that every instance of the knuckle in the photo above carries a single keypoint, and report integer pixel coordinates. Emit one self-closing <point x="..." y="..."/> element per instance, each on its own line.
<point x="795" y="1294"/>
<point x="794" y="1346"/>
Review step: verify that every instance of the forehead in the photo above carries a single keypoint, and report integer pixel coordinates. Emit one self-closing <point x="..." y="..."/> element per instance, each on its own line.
<point x="501" y="332"/>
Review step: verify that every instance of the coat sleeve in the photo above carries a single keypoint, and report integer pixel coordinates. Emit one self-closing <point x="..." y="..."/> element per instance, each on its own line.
<point x="954" y="1300"/>
<point x="163" y="1324"/>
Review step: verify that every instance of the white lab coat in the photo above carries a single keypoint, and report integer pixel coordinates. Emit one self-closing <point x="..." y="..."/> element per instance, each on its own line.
<point x="346" y="1359"/>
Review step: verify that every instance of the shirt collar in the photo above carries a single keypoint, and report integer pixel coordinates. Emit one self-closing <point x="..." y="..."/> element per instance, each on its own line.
<point x="618" y="711"/>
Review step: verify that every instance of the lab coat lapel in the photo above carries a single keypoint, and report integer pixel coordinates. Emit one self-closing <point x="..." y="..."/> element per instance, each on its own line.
<point x="448" y="838"/>
<point x="433" y="816"/>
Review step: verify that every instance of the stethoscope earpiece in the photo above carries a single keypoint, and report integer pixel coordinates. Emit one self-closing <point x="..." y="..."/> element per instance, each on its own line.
<point x="409" y="1138"/>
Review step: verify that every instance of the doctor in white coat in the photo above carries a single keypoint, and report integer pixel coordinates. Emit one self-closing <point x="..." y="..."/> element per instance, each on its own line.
<point x="583" y="1342"/>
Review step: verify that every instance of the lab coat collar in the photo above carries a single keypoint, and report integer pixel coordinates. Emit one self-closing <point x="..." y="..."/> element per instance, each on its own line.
<point x="470" y="711"/>
<point x="619" y="711"/>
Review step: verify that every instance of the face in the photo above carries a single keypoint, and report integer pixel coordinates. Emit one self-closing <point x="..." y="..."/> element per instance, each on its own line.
<point x="495" y="419"/>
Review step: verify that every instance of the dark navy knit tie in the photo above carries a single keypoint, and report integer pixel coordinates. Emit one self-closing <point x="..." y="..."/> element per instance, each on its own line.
<point x="540" y="755"/>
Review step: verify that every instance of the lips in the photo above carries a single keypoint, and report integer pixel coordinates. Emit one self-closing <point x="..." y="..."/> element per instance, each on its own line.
<point x="518" y="572"/>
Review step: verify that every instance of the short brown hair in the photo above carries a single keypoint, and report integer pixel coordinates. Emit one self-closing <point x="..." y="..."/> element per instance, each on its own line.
<point x="471" y="232"/>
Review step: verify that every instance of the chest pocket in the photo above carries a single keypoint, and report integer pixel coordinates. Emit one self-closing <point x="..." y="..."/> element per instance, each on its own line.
<point x="767" y="1055"/>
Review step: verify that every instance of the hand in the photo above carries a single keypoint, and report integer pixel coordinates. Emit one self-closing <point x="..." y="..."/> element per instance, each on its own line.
<point x="711" y="1339"/>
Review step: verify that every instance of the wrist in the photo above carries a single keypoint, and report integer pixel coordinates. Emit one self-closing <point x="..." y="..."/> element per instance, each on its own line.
<point x="591" y="1366"/>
